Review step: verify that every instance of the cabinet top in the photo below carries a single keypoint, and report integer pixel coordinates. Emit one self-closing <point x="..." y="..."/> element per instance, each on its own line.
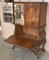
<point x="19" y="1"/>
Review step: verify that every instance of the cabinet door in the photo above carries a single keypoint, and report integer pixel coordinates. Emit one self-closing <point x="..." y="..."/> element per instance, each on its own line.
<point x="28" y="15"/>
<point x="31" y="18"/>
<point x="31" y="13"/>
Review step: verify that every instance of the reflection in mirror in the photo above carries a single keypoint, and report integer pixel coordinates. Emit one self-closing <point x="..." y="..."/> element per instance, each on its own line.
<point x="19" y="13"/>
<point x="8" y="12"/>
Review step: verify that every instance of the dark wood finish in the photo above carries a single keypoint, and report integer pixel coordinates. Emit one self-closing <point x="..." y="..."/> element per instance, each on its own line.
<point x="32" y="33"/>
<point x="8" y="0"/>
<point x="18" y="29"/>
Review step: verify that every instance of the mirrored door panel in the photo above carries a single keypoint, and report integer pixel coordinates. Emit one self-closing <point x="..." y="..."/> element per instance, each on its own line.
<point x="19" y="13"/>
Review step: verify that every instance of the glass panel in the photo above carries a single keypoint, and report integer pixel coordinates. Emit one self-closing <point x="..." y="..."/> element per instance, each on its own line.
<point x="19" y="13"/>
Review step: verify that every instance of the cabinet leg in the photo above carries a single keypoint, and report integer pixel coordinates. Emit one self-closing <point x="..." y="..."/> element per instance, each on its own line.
<point x="43" y="47"/>
<point x="38" y="55"/>
<point x="13" y="47"/>
<point x="36" y="52"/>
<point x="33" y="51"/>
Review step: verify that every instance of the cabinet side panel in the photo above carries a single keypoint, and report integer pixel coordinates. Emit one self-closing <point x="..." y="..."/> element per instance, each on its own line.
<point x="42" y="19"/>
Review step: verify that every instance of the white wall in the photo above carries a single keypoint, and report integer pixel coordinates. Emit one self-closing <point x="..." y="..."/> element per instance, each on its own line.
<point x="1" y="0"/>
<point x="46" y="1"/>
<point x="47" y="30"/>
<point x="1" y="14"/>
<point x="36" y="0"/>
<point x="7" y="28"/>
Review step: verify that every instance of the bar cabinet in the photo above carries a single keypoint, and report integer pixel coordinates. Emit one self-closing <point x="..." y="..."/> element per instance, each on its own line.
<point x="29" y="19"/>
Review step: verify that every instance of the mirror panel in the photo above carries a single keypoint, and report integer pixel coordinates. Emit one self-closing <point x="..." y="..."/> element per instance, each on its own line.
<point x="19" y="13"/>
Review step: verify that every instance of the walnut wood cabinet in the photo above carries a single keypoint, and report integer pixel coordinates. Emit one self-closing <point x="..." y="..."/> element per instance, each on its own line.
<point x="32" y="33"/>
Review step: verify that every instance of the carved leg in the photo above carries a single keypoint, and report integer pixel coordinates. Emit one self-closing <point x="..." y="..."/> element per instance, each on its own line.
<point x="36" y="51"/>
<point x="33" y="50"/>
<point x="13" y="47"/>
<point x="43" y="46"/>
